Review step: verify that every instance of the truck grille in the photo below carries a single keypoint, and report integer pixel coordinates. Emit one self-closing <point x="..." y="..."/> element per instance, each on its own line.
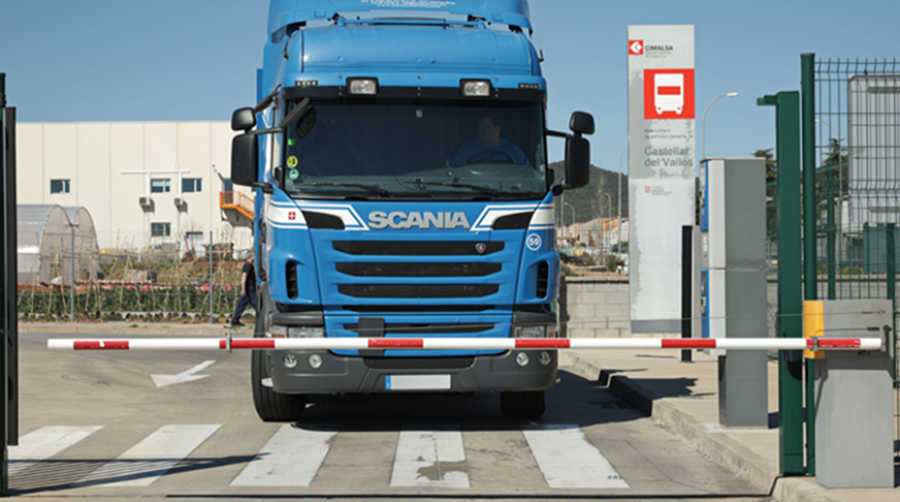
<point x="368" y="309"/>
<point x="418" y="270"/>
<point x="418" y="248"/>
<point x="418" y="290"/>
<point x="425" y="329"/>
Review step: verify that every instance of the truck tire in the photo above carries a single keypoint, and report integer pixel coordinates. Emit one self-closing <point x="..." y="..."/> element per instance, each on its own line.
<point x="522" y="405"/>
<point x="270" y="405"/>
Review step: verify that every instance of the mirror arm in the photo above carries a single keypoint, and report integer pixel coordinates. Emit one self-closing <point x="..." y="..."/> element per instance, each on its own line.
<point x="559" y="189"/>
<point x="266" y="101"/>
<point x="265" y="187"/>
<point x="270" y="130"/>
<point x="295" y="114"/>
<point x="556" y="134"/>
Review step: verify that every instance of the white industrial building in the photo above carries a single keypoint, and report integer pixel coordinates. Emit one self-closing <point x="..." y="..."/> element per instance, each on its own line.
<point x="147" y="185"/>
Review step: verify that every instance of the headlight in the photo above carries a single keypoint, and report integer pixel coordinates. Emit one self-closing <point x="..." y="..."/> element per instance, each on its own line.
<point x="305" y="332"/>
<point x="530" y="332"/>
<point x="476" y="88"/>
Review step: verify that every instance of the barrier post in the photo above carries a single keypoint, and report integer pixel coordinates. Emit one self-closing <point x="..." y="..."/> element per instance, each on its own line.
<point x="789" y="324"/>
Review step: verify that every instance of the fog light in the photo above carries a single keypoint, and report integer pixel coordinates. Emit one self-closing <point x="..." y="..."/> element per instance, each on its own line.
<point x="521" y="359"/>
<point x="305" y="332"/>
<point x="315" y="361"/>
<point x="289" y="361"/>
<point x="545" y="358"/>
<point x="530" y="332"/>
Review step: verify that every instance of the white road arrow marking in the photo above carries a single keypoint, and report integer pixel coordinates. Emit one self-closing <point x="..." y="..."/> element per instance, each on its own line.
<point x="184" y="376"/>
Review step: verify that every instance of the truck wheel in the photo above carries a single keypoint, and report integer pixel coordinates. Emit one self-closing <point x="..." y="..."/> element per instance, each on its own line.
<point x="270" y="405"/>
<point x="526" y="404"/>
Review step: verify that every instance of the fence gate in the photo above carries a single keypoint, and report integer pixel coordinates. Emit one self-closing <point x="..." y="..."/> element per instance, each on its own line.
<point x="857" y="184"/>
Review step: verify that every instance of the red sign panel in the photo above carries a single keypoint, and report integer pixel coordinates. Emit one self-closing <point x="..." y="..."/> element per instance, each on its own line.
<point x="669" y="94"/>
<point x="635" y="47"/>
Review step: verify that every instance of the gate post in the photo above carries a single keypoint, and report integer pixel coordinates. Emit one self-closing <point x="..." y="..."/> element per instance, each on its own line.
<point x="4" y="294"/>
<point x="810" y="272"/>
<point x="788" y="323"/>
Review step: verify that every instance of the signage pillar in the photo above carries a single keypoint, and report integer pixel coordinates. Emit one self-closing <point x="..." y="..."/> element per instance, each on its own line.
<point x="661" y="170"/>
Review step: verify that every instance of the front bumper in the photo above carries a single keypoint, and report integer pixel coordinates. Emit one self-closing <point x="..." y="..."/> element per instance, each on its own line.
<point x="352" y="374"/>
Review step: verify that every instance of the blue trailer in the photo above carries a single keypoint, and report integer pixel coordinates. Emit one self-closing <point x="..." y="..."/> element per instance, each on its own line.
<point x="399" y="156"/>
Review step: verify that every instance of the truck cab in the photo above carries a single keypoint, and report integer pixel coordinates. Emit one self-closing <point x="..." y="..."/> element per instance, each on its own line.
<point x="400" y="162"/>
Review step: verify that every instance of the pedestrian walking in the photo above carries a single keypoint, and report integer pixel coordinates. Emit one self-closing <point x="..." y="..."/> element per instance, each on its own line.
<point x="248" y="291"/>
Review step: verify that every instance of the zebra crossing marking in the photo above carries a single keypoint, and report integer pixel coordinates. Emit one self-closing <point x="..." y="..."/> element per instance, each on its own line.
<point x="430" y="459"/>
<point x="568" y="460"/>
<point x="44" y="443"/>
<point x="291" y="457"/>
<point x="151" y="458"/>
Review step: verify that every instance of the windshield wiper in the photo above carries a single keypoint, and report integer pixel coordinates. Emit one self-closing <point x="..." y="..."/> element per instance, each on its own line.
<point x="489" y="191"/>
<point x="378" y="190"/>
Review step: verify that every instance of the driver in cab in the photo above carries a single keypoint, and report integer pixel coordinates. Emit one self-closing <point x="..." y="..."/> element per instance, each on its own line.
<point x="489" y="147"/>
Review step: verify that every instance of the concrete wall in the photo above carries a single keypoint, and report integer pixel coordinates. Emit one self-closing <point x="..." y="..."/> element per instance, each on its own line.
<point x="597" y="307"/>
<point x="93" y="156"/>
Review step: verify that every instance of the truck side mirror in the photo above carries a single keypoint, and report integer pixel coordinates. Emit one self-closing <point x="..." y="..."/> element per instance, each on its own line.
<point x="582" y="123"/>
<point x="243" y="119"/>
<point x="244" y="158"/>
<point x="578" y="162"/>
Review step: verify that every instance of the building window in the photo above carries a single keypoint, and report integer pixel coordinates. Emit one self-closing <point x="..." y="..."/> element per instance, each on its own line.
<point x="160" y="229"/>
<point x="227" y="185"/>
<point x="161" y="185"/>
<point x="191" y="185"/>
<point x="59" y="186"/>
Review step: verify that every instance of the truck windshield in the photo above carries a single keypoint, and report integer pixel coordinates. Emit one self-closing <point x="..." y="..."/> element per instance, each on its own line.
<point x="421" y="148"/>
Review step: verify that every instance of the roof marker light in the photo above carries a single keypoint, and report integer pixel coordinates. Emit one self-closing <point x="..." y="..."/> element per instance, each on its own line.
<point x="366" y="86"/>
<point x="476" y="88"/>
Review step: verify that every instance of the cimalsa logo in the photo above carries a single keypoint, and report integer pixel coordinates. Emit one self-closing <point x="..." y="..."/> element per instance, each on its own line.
<point x="635" y="47"/>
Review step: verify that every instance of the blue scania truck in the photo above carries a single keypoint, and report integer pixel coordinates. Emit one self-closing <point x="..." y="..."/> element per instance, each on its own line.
<point x="399" y="156"/>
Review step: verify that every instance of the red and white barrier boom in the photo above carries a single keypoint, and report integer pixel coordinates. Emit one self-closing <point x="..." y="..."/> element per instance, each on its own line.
<point x="470" y="343"/>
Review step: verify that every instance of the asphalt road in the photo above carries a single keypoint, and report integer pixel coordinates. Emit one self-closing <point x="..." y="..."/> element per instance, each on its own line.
<point x="94" y="425"/>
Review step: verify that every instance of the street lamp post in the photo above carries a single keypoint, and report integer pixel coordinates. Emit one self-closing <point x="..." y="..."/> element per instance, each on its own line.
<point x="703" y="123"/>
<point x="619" y="200"/>
<point x="608" y="216"/>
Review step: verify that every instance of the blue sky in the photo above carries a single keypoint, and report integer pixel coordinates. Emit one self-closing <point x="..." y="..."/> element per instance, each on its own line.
<point x="143" y="60"/>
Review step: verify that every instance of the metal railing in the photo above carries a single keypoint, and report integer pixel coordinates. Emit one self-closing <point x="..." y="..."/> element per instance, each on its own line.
<point x="238" y="201"/>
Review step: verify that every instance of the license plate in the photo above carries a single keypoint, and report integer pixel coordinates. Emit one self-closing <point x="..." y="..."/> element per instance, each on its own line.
<point x="417" y="382"/>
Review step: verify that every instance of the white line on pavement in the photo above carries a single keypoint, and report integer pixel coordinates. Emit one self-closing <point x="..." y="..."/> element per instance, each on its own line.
<point x="430" y="458"/>
<point x="568" y="459"/>
<point x="292" y="457"/>
<point x="45" y="443"/>
<point x="148" y="460"/>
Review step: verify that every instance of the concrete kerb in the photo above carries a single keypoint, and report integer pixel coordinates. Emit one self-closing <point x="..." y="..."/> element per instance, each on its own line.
<point x="712" y="442"/>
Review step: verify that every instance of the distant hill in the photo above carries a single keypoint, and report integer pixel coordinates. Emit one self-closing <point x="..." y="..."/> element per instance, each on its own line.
<point x="588" y="201"/>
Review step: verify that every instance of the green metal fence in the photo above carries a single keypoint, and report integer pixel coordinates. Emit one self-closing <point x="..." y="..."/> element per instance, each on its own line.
<point x="857" y="163"/>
